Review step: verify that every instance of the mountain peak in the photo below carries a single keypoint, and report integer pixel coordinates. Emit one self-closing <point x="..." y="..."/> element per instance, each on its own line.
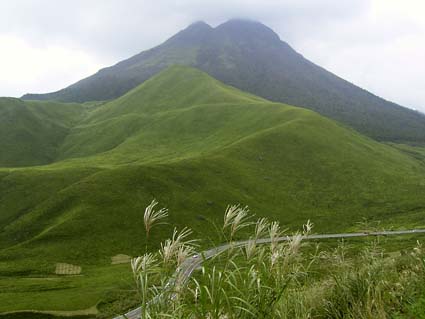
<point x="177" y="86"/>
<point x="185" y="82"/>
<point x="242" y="22"/>
<point x="194" y="33"/>
<point x="248" y="55"/>
<point x="200" y="24"/>
<point x="239" y="27"/>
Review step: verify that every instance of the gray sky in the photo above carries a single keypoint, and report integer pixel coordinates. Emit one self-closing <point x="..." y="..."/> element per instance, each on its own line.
<point x="379" y="45"/>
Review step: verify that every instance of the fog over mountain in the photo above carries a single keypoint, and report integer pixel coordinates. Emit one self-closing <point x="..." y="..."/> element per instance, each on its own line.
<point x="377" y="44"/>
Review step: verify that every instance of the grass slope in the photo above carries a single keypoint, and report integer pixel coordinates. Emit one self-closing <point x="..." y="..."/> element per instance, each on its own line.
<point x="32" y="131"/>
<point x="250" y="56"/>
<point x="195" y="145"/>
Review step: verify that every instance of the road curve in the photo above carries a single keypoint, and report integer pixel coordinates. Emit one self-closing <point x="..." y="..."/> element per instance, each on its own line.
<point x="192" y="263"/>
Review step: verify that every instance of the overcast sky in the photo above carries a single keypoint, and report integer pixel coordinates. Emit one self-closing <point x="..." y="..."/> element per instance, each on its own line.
<point x="379" y="45"/>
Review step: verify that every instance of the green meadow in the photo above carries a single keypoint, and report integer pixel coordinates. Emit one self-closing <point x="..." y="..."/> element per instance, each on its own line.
<point x="75" y="180"/>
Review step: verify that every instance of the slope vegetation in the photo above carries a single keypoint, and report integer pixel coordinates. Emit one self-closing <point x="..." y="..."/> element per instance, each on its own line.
<point x="251" y="57"/>
<point x="183" y="132"/>
<point x="31" y="132"/>
<point x="196" y="145"/>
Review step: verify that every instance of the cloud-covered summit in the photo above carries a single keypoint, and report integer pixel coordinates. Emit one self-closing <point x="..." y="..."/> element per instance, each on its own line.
<point x="377" y="44"/>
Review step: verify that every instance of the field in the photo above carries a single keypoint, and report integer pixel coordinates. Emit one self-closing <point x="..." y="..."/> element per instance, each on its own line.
<point x="196" y="146"/>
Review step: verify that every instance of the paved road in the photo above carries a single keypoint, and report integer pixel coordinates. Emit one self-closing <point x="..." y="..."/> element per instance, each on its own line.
<point x="192" y="263"/>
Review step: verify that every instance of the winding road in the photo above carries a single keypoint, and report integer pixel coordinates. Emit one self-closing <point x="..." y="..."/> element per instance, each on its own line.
<point x="189" y="265"/>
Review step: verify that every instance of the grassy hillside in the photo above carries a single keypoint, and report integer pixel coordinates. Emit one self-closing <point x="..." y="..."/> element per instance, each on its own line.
<point x="250" y="56"/>
<point x="195" y="145"/>
<point x="31" y="132"/>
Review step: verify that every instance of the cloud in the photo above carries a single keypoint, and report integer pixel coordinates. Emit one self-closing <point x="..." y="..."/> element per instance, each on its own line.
<point x="377" y="44"/>
<point x="122" y="26"/>
<point x="382" y="50"/>
<point x="26" y="68"/>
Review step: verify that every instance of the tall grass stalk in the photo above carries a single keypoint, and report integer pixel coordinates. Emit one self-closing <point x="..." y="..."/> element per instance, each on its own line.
<point x="277" y="280"/>
<point x="153" y="217"/>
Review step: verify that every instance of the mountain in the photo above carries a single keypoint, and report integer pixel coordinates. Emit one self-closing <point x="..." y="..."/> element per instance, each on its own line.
<point x="196" y="145"/>
<point x="250" y="56"/>
<point x="31" y="132"/>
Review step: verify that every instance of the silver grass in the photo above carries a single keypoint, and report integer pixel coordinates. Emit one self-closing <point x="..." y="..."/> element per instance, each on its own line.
<point x="236" y="218"/>
<point x="151" y="217"/>
<point x="176" y="247"/>
<point x="261" y="227"/>
<point x="274" y="233"/>
<point x="143" y="264"/>
<point x="250" y="249"/>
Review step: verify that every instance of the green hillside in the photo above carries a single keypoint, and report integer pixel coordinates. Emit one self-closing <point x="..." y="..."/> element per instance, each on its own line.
<point x="31" y="132"/>
<point x="196" y="145"/>
<point x="250" y="56"/>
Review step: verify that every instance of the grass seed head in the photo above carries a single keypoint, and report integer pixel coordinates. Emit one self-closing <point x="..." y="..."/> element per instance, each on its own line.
<point x="250" y="249"/>
<point x="236" y="218"/>
<point x="274" y="233"/>
<point x="261" y="227"/>
<point x="143" y="264"/>
<point x="152" y="217"/>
